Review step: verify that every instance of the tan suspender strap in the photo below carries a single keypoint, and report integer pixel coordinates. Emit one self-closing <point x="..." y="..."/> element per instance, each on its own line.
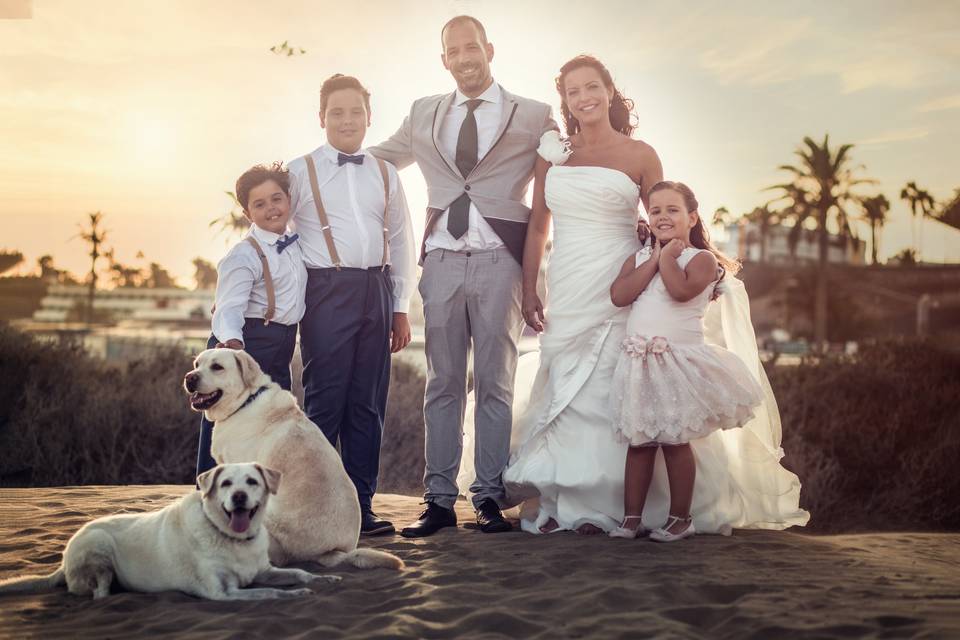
<point x="321" y="212"/>
<point x="267" y="280"/>
<point x="386" y="206"/>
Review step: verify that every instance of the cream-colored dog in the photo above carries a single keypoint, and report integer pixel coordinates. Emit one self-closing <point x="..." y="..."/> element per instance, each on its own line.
<point x="209" y="544"/>
<point x="315" y="516"/>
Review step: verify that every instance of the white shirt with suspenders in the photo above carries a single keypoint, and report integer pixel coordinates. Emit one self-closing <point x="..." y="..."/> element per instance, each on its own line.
<point x="352" y="227"/>
<point x="254" y="280"/>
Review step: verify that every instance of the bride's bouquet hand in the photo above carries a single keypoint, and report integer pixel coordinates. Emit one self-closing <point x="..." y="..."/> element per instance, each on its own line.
<point x="643" y="232"/>
<point x="532" y="310"/>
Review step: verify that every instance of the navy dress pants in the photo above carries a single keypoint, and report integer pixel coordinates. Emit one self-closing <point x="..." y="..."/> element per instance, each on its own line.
<point x="345" y="343"/>
<point x="271" y="345"/>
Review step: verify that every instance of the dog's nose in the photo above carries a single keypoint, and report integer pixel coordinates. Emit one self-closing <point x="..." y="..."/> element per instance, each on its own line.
<point x="239" y="499"/>
<point x="190" y="381"/>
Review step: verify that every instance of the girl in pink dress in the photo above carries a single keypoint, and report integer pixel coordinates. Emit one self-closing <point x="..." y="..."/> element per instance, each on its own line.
<point x="669" y="386"/>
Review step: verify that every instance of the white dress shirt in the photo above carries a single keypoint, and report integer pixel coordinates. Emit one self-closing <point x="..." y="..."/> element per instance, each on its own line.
<point x="353" y="199"/>
<point x="242" y="290"/>
<point x="479" y="234"/>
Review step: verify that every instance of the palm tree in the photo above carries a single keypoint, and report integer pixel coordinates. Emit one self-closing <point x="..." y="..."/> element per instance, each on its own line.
<point x="204" y="274"/>
<point x="917" y="198"/>
<point x="764" y="218"/>
<point x="826" y="176"/>
<point x="721" y="217"/>
<point x="798" y="210"/>
<point x="95" y="237"/>
<point x="9" y="259"/>
<point x="233" y="221"/>
<point x="875" y="213"/>
<point x="121" y="275"/>
<point x="950" y="211"/>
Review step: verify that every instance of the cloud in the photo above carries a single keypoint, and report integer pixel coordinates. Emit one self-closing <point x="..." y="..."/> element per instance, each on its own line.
<point x="756" y="52"/>
<point x="771" y="46"/>
<point x="895" y="135"/>
<point x="880" y="68"/>
<point x="941" y="104"/>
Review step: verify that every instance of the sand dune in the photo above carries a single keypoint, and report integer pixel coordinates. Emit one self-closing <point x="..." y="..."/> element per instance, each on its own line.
<point x="464" y="583"/>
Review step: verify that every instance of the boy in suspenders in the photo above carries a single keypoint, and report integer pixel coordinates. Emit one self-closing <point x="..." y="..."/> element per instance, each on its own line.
<point x="355" y="232"/>
<point x="260" y="286"/>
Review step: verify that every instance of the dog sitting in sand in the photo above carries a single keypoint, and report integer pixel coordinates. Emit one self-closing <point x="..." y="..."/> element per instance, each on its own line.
<point x="208" y="544"/>
<point x="315" y="517"/>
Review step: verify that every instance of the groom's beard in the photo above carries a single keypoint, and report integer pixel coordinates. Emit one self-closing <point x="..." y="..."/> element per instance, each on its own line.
<point x="474" y="82"/>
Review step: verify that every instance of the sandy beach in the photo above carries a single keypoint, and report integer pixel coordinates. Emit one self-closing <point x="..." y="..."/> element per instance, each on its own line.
<point x="461" y="583"/>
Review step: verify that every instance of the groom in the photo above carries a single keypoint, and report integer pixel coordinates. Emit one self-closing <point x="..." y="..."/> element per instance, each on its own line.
<point x="476" y="148"/>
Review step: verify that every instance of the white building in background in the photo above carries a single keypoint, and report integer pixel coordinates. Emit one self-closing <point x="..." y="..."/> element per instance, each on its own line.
<point x="151" y="306"/>
<point x="742" y="239"/>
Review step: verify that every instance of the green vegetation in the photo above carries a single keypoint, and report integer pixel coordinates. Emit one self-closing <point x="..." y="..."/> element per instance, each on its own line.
<point x="874" y="438"/>
<point x="67" y="418"/>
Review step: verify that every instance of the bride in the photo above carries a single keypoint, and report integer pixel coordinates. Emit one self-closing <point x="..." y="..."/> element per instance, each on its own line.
<point x="566" y="465"/>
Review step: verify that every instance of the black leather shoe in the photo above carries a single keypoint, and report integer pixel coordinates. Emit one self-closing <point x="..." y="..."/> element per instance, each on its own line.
<point x="490" y="518"/>
<point x="373" y="525"/>
<point x="433" y="518"/>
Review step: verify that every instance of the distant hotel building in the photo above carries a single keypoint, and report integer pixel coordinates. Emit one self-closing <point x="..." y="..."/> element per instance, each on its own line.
<point x="139" y="304"/>
<point x="743" y="239"/>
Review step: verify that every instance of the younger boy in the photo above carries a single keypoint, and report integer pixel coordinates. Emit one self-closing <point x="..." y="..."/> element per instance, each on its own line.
<point x="261" y="284"/>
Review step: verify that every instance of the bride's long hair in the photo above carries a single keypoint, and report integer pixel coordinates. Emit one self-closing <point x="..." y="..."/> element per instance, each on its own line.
<point x="699" y="236"/>
<point x="621" y="108"/>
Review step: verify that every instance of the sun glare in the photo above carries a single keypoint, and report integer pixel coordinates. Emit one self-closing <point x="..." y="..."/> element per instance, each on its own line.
<point x="152" y="139"/>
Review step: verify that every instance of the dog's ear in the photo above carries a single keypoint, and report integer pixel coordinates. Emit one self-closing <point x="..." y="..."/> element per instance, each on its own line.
<point x="249" y="369"/>
<point x="208" y="480"/>
<point x="271" y="477"/>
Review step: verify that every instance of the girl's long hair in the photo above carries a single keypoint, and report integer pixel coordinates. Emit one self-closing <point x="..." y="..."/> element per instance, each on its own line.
<point x="621" y="109"/>
<point x="699" y="236"/>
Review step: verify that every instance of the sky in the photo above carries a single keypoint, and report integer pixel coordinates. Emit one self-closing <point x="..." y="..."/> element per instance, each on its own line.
<point x="148" y="111"/>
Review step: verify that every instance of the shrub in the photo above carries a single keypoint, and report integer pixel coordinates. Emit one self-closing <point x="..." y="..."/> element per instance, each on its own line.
<point x="67" y="418"/>
<point x="401" y="452"/>
<point x="875" y="438"/>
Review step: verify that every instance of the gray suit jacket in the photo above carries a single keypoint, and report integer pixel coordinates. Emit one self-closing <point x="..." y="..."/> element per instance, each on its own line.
<point x="497" y="185"/>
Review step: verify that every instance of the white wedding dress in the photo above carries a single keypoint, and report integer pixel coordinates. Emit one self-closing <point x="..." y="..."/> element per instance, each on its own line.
<point x="566" y="462"/>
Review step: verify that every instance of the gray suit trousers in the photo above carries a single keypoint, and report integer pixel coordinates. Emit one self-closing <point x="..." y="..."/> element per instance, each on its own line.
<point x="469" y="296"/>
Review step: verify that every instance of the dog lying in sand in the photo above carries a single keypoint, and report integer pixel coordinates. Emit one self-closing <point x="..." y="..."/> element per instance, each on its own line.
<point x="208" y="544"/>
<point x="315" y="517"/>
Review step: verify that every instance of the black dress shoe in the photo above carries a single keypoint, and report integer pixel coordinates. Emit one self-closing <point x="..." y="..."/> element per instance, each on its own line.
<point x="490" y="518"/>
<point x="433" y="518"/>
<point x="373" y="525"/>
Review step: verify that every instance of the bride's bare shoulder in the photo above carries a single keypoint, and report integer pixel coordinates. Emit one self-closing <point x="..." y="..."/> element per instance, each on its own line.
<point x="641" y="150"/>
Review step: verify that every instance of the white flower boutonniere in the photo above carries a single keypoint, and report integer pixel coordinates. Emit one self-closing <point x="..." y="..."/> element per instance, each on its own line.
<point x="553" y="149"/>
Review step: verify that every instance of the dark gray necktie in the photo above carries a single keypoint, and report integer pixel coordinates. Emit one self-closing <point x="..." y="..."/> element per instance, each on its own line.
<point x="467" y="159"/>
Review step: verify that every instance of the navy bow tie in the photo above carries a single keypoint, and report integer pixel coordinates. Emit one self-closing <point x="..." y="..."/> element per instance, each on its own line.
<point x="285" y="241"/>
<point x="343" y="159"/>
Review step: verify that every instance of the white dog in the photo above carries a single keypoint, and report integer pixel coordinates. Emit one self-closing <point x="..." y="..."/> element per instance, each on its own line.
<point x="315" y="517"/>
<point x="208" y="544"/>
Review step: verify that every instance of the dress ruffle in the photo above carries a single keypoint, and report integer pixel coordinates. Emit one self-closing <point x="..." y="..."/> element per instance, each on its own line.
<point x="668" y="393"/>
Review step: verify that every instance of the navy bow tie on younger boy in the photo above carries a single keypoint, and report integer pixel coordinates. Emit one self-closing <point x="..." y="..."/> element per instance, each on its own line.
<point x="343" y="159"/>
<point x="285" y="241"/>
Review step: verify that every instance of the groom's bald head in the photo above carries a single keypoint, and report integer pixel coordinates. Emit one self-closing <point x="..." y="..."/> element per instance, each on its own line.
<point x="464" y="20"/>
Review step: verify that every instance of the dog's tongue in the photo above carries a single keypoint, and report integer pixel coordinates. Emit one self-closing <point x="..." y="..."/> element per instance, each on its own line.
<point x="240" y="520"/>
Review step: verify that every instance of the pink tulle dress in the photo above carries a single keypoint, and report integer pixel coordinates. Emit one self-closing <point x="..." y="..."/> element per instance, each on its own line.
<point x="669" y="386"/>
